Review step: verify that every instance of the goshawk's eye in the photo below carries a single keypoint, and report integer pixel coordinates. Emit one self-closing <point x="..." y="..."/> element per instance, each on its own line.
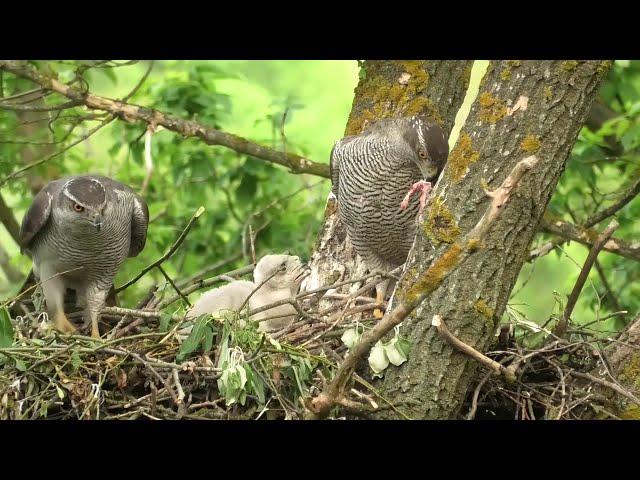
<point x="422" y="153"/>
<point x="78" y="208"/>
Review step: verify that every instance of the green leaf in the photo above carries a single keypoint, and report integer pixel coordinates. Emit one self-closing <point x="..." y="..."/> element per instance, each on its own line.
<point x="208" y="339"/>
<point x="193" y="340"/>
<point x="75" y="360"/>
<point x="394" y="354"/>
<point x="256" y="385"/>
<point x="20" y="365"/>
<point x="404" y="345"/>
<point x="165" y="318"/>
<point x="6" y="329"/>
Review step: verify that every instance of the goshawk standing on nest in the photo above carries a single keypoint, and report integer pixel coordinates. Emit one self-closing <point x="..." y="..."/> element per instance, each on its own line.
<point x="79" y="230"/>
<point x="374" y="175"/>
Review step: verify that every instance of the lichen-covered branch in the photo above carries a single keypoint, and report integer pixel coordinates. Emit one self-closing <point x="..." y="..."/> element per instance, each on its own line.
<point x="187" y="128"/>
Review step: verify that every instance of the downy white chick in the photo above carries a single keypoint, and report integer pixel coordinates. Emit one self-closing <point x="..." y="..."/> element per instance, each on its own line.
<point x="278" y="278"/>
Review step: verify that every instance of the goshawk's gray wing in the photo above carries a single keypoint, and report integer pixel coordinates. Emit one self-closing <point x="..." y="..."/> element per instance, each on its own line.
<point x="139" y="224"/>
<point x="38" y="214"/>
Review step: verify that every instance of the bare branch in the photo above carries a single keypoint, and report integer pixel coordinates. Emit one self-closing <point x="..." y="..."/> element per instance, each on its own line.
<point x="9" y="220"/>
<point x="187" y="128"/>
<point x="587" y="237"/>
<point x="498" y="368"/>
<point x="629" y="195"/>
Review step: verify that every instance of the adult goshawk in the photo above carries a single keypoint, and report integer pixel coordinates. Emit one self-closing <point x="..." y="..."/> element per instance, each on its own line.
<point x="79" y="230"/>
<point x="371" y="174"/>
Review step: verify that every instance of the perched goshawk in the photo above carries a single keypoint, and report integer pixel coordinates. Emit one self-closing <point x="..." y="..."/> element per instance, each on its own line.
<point x="373" y="176"/>
<point x="86" y="226"/>
<point x="276" y="277"/>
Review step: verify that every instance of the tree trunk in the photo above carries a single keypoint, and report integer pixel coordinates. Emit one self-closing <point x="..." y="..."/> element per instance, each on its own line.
<point x="523" y="108"/>
<point x="388" y="89"/>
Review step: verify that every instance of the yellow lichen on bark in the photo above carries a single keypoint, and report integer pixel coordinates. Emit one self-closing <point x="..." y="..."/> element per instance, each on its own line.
<point x="461" y="157"/>
<point x="400" y="94"/>
<point x="431" y="279"/>
<point x="483" y="308"/>
<point x="440" y="225"/>
<point x="492" y="109"/>
<point x="530" y="144"/>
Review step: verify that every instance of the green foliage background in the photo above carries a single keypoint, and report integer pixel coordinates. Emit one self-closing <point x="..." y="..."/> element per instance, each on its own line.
<point x="250" y="98"/>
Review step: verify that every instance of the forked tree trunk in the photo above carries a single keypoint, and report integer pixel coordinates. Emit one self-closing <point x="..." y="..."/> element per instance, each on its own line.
<point x="522" y="109"/>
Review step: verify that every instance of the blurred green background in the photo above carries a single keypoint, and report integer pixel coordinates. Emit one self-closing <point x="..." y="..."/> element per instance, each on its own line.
<point x="250" y="98"/>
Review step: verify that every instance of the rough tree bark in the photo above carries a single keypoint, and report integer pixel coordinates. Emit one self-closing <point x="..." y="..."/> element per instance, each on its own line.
<point x="388" y="89"/>
<point x="522" y="108"/>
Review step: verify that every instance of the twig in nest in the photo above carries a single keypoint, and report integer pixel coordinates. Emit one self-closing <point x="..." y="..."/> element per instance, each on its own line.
<point x="166" y="275"/>
<point x="605" y="383"/>
<point x="498" y="368"/>
<point x="474" y="402"/>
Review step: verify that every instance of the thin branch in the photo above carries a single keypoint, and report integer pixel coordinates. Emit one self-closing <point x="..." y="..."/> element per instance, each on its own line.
<point x="631" y="193"/>
<point x="166" y="275"/>
<point x="596" y="218"/>
<point x="607" y="288"/>
<point x="207" y="270"/>
<point x="561" y="327"/>
<point x="605" y="383"/>
<point x="187" y="128"/>
<point x="206" y="283"/>
<point x="39" y="108"/>
<point x="587" y="237"/>
<point x="167" y="255"/>
<point x="20" y="171"/>
<point x="128" y="96"/>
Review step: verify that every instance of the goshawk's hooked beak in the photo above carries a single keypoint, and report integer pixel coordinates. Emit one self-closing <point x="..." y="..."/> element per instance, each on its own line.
<point x="428" y="170"/>
<point x="96" y="221"/>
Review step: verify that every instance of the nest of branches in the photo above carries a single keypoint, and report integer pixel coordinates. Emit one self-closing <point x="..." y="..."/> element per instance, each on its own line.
<point x="145" y="366"/>
<point x="554" y="378"/>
